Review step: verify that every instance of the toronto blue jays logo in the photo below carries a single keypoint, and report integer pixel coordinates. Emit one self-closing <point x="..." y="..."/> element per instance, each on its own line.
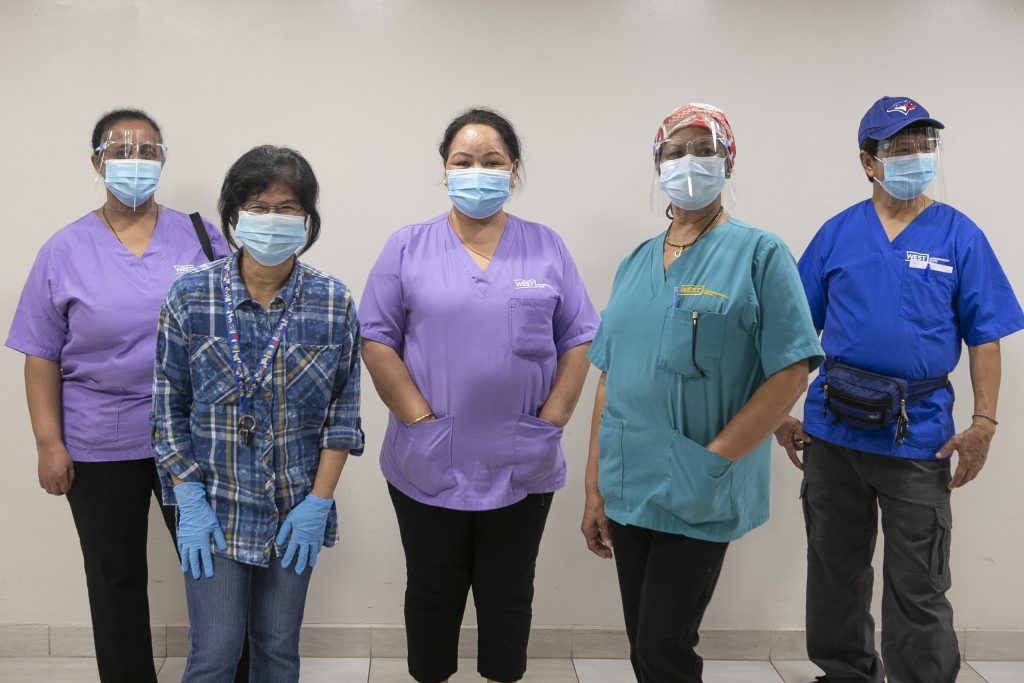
<point x="904" y="107"/>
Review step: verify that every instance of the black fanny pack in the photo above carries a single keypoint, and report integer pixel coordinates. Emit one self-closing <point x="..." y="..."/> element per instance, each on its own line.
<point x="867" y="400"/>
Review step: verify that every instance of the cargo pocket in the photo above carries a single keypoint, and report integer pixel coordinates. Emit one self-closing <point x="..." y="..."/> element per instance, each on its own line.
<point x="424" y="454"/>
<point x="805" y="506"/>
<point x="691" y="343"/>
<point x="938" y="565"/>
<point x="926" y="298"/>
<point x="536" y="447"/>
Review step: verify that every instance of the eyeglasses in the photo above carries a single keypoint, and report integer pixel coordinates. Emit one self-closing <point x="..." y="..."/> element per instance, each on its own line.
<point x="286" y="209"/>
<point x="149" y="151"/>
<point x="703" y="146"/>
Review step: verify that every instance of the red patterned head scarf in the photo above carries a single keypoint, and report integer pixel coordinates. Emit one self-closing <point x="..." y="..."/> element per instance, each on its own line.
<point x="702" y="115"/>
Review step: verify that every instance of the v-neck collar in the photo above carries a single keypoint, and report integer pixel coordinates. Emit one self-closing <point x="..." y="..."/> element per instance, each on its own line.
<point x="119" y="248"/>
<point x="661" y="276"/>
<point x="879" y="230"/>
<point x="482" y="277"/>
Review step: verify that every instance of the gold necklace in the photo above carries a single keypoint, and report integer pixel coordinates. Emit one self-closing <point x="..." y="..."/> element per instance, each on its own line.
<point x="481" y="255"/>
<point x="680" y="248"/>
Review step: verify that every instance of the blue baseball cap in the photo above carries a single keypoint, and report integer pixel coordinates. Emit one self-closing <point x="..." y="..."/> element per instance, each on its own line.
<point x="890" y="115"/>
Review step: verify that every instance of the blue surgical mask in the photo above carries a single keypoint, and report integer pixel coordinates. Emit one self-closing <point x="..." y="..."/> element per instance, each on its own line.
<point x="907" y="176"/>
<point x="693" y="182"/>
<point x="270" y="238"/>
<point x="477" y="192"/>
<point x="132" y="181"/>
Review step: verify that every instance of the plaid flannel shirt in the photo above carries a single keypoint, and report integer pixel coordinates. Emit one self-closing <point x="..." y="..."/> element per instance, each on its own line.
<point x="308" y="400"/>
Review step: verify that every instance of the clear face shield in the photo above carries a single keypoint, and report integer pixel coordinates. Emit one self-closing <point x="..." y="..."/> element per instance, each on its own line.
<point x="130" y="161"/>
<point x="909" y="164"/>
<point x="693" y="164"/>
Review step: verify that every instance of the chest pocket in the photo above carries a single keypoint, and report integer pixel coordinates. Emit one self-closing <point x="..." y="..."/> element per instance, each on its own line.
<point x="531" y="327"/>
<point x="926" y="298"/>
<point x="691" y="343"/>
<point x="310" y="370"/>
<point x="213" y="380"/>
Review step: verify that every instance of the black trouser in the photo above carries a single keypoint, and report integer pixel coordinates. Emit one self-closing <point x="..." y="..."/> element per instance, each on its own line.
<point x="110" y="504"/>
<point x="666" y="582"/>
<point x="843" y="490"/>
<point x="449" y="551"/>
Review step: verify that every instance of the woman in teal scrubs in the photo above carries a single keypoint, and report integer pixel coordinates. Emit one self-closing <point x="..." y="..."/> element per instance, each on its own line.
<point x="706" y="343"/>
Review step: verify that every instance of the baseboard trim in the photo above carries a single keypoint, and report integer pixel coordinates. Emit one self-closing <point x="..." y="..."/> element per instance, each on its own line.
<point x="546" y="642"/>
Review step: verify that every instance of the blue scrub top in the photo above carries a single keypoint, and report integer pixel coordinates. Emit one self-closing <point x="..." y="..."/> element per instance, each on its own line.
<point x="742" y="286"/>
<point x="902" y="309"/>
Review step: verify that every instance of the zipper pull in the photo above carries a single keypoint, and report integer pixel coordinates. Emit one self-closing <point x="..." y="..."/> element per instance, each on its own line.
<point x="824" y="404"/>
<point x="693" y="316"/>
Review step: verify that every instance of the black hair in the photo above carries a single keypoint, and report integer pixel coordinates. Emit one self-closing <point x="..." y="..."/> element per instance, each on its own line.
<point x="117" y="116"/>
<point x="870" y="145"/>
<point x="483" y="117"/>
<point x="258" y="168"/>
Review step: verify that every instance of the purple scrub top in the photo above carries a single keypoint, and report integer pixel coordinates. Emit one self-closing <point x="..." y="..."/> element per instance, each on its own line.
<point x="92" y="306"/>
<point x="482" y="347"/>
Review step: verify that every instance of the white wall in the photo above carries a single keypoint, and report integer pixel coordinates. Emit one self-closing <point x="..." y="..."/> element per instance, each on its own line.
<point x="364" y="89"/>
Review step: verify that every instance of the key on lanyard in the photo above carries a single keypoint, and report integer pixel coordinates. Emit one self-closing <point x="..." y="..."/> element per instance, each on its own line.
<point x="246" y="425"/>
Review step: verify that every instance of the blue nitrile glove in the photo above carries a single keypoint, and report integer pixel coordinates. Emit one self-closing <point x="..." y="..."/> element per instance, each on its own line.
<point x="196" y="522"/>
<point x="306" y="523"/>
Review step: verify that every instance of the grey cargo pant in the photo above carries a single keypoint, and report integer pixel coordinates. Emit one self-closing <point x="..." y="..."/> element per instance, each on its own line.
<point x="842" y="491"/>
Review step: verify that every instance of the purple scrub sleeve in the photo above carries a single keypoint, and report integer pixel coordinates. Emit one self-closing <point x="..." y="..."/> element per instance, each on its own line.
<point x="92" y="306"/>
<point x="482" y="347"/>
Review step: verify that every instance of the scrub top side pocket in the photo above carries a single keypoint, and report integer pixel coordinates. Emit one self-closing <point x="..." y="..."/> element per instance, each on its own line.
<point x="700" y="489"/>
<point x="926" y="298"/>
<point x="92" y="412"/>
<point x="691" y="343"/>
<point x="609" y="461"/>
<point x="423" y="452"/>
<point x="536" y="446"/>
<point x="531" y="327"/>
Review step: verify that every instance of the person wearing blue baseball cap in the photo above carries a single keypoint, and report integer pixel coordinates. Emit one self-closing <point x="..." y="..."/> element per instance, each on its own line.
<point x="896" y="284"/>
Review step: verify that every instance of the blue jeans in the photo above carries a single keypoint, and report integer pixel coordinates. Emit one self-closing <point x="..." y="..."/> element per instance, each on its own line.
<point x="269" y="599"/>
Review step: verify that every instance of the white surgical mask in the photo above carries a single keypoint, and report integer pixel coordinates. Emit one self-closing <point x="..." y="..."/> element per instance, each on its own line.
<point x="270" y="238"/>
<point x="693" y="182"/>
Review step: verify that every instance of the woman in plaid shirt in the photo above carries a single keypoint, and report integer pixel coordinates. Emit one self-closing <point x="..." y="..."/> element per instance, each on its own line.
<point x="255" y="410"/>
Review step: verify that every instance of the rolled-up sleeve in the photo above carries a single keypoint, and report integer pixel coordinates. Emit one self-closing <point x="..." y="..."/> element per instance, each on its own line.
<point x="171" y="438"/>
<point x="343" y="427"/>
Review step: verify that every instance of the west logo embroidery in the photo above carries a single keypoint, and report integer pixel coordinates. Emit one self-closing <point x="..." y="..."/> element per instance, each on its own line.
<point x="184" y="268"/>
<point x="530" y="284"/>
<point x="698" y="290"/>
<point x="921" y="261"/>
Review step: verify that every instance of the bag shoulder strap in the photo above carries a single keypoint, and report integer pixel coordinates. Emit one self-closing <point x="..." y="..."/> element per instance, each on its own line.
<point x="204" y="239"/>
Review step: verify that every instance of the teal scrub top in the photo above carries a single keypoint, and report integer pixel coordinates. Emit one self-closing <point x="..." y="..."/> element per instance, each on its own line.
<point x="684" y="350"/>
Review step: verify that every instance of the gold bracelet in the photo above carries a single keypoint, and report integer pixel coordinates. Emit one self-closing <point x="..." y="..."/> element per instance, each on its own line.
<point x="990" y="419"/>
<point x="421" y="419"/>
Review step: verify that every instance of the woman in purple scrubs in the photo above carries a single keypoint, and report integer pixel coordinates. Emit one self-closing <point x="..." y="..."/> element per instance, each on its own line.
<point x="475" y="328"/>
<point x="86" y="323"/>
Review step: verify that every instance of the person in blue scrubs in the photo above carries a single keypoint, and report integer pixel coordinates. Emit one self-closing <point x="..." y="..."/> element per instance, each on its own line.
<point x="704" y="347"/>
<point x="896" y="284"/>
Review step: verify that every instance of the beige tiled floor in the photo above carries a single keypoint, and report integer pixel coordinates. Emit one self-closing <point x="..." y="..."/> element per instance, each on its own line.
<point x="362" y="670"/>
